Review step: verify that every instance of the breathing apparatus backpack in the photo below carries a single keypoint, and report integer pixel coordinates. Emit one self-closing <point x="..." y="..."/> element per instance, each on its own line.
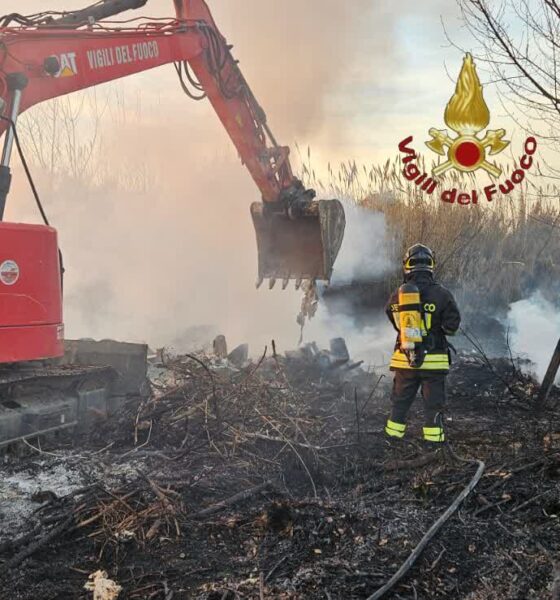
<point x="412" y="329"/>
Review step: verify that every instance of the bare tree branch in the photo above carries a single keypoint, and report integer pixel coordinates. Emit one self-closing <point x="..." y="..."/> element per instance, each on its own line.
<point x="519" y="42"/>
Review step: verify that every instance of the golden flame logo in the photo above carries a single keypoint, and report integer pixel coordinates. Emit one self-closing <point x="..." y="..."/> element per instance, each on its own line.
<point x="467" y="114"/>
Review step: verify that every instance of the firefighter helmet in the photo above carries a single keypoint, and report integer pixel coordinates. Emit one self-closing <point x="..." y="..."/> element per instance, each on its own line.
<point x="418" y="258"/>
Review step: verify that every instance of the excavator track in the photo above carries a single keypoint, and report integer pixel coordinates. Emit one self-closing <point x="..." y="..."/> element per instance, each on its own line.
<point x="37" y="400"/>
<point x="74" y="392"/>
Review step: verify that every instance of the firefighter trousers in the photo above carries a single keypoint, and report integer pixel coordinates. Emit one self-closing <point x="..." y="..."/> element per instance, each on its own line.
<point x="405" y="386"/>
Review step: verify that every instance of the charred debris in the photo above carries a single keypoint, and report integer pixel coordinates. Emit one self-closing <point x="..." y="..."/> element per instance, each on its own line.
<point x="232" y="478"/>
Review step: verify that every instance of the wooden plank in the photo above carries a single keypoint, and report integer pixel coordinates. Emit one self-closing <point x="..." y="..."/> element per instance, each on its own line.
<point x="549" y="377"/>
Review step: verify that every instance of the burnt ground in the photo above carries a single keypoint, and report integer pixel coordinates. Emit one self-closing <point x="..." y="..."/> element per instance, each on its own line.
<point x="317" y="505"/>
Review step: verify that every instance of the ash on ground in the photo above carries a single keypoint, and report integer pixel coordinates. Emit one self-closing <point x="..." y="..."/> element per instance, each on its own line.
<point x="271" y="478"/>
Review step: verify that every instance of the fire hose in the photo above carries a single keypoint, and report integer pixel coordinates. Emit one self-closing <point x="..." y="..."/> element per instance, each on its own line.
<point x="405" y="567"/>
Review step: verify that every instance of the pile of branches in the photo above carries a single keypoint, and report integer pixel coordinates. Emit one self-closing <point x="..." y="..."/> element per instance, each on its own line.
<point x="272" y="412"/>
<point x="139" y="511"/>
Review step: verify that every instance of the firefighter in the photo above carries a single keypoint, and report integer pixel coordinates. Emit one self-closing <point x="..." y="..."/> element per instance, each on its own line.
<point x="423" y="313"/>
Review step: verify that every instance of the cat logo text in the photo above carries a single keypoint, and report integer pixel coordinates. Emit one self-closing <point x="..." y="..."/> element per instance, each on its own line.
<point x="68" y="66"/>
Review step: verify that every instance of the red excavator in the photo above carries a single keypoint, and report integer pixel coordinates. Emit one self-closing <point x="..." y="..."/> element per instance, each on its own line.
<point x="47" y="55"/>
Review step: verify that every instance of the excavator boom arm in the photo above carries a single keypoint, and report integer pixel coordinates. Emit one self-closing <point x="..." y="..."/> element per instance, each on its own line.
<point x="39" y="60"/>
<point x="59" y="61"/>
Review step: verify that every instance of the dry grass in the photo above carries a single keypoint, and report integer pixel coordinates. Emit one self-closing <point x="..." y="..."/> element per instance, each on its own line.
<point x="493" y="252"/>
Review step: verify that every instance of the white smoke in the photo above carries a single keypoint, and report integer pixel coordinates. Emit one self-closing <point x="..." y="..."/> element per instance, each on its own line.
<point x="365" y="256"/>
<point x="534" y="329"/>
<point x="372" y="344"/>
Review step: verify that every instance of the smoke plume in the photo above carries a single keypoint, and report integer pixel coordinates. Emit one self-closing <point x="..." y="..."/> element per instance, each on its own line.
<point x="534" y="330"/>
<point x="365" y="252"/>
<point x="365" y="257"/>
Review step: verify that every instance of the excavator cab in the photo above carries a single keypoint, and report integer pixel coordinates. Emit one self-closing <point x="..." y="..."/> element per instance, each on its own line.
<point x="298" y="244"/>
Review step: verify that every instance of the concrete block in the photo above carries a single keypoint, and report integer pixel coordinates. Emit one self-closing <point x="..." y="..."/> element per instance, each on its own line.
<point x="220" y="346"/>
<point x="239" y="355"/>
<point x="339" y="351"/>
<point x="127" y="359"/>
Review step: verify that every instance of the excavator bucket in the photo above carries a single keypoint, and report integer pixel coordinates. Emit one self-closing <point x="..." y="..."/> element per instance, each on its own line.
<point x="304" y="247"/>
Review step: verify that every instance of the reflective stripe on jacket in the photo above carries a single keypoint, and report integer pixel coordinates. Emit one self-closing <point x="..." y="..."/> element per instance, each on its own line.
<point x="432" y="362"/>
